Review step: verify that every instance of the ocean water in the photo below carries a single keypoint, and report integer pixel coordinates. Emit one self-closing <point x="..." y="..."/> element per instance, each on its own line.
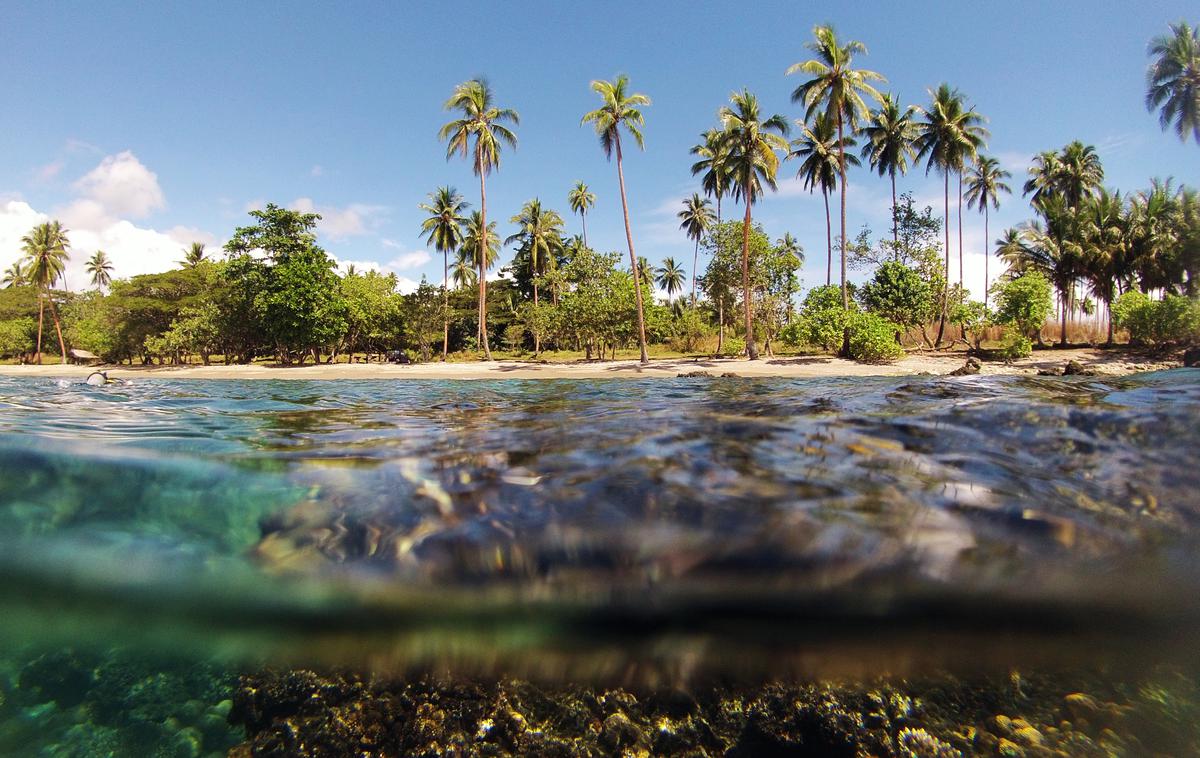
<point x="1030" y="541"/>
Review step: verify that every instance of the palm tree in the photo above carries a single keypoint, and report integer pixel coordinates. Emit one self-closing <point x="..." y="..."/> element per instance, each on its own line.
<point x="621" y="107"/>
<point x="670" y="277"/>
<point x="14" y="276"/>
<point x="100" y="267"/>
<point x="581" y="201"/>
<point x="1106" y="260"/>
<point x="194" y="255"/>
<point x="752" y="162"/>
<point x="645" y="271"/>
<point x="889" y="145"/>
<point x="715" y="179"/>
<point x="837" y="88"/>
<point x="540" y="233"/>
<point x="695" y="219"/>
<point x="1053" y="247"/>
<point x="947" y="138"/>
<point x="790" y="246"/>
<point x="46" y="251"/>
<point x="474" y="240"/>
<point x="443" y="228"/>
<point x="482" y="121"/>
<point x="984" y="186"/>
<point x="1080" y="173"/>
<point x="1173" y="80"/>
<point x="818" y="149"/>
<point x="462" y="271"/>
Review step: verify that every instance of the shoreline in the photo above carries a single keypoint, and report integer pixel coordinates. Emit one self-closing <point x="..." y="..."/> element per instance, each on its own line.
<point x="1110" y="362"/>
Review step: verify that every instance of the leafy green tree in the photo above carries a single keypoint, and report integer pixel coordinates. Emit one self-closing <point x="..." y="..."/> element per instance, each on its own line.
<point x="754" y="143"/>
<point x="423" y="317"/>
<point x="1173" y="80"/>
<point x="373" y="312"/>
<point x="443" y="228"/>
<point x="581" y="200"/>
<point x="1024" y="302"/>
<point x="837" y="88"/>
<point x="984" y="187"/>
<point x="46" y="251"/>
<point x="670" y="277"/>
<point x="890" y="133"/>
<point x="99" y="267"/>
<point x="16" y="337"/>
<point x="597" y="306"/>
<point x="621" y="107"/>
<point x="484" y="123"/>
<point x="695" y="219"/>
<point x="820" y="154"/>
<point x="899" y="294"/>
<point x="297" y="299"/>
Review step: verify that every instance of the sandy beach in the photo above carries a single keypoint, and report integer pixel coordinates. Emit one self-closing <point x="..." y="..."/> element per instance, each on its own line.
<point x="1108" y="362"/>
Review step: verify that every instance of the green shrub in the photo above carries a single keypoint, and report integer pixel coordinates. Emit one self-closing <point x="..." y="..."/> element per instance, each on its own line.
<point x="822" y="320"/>
<point x="17" y="336"/>
<point x="1015" y="345"/>
<point x="1173" y="319"/>
<point x="873" y="338"/>
<point x="734" y="346"/>
<point x="1024" y="302"/>
<point x="687" y="331"/>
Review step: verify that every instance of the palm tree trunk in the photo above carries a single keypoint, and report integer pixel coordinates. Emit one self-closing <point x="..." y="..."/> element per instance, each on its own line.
<point x="637" y="279"/>
<point x="62" y="346"/>
<point x="445" y="306"/>
<point x="751" y="350"/>
<point x="1062" y="335"/>
<point x="986" y="255"/>
<point x="695" y="263"/>
<point x="720" y="324"/>
<point x="537" y="340"/>
<point x="842" y="173"/>
<point x="895" y="223"/>
<point x="946" y="284"/>
<point x="483" y="241"/>
<point x="583" y="217"/>
<point x="960" y="252"/>
<point x="828" y="240"/>
<point x="41" y="311"/>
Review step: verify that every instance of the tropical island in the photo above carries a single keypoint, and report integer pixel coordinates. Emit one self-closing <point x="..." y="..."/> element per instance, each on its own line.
<point x="1093" y="266"/>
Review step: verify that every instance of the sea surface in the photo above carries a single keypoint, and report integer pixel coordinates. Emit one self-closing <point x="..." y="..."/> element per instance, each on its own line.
<point x="160" y="539"/>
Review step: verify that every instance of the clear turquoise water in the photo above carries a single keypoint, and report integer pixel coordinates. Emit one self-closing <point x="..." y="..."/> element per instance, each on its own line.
<point x="578" y="528"/>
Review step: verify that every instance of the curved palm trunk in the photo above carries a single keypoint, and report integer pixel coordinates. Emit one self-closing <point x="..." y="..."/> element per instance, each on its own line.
<point x="945" y="284"/>
<point x="637" y="277"/>
<point x="895" y="222"/>
<point x="828" y="240"/>
<point x="62" y="347"/>
<point x="41" y="318"/>
<point x="445" y="308"/>
<point x="695" y="262"/>
<point x="483" y="234"/>
<point x="751" y="350"/>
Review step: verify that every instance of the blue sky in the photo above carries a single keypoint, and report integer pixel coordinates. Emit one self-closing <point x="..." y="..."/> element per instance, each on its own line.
<point x="144" y="126"/>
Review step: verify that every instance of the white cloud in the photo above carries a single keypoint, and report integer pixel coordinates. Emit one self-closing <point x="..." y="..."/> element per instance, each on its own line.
<point x="403" y="284"/>
<point x="122" y="186"/>
<point x="48" y="172"/>
<point x="407" y="261"/>
<point x="354" y="220"/>
<point x="316" y="171"/>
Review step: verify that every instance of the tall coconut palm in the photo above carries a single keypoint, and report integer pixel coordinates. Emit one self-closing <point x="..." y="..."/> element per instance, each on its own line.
<point x="581" y="200"/>
<point x="714" y="179"/>
<point x="1173" y="80"/>
<point x="621" y="107"/>
<point x="100" y="268"/>
<point x="479" y="133"/>
<point x="695" y="219"/>
<point x="984" y="187"/>
<point x="1106" y="261"/>
<point x="46" y="250"/>
<point x="485" y="250"/>
<point x="194" y="255"/>
<point x="443" y="228"/>
<point x="14" y="276"/>
<point x="1043" y="176"/>
<point x="948" y="137"/>
<point x="1080" y="173"/>
<point x="1052" y="246"/>
<point x="820" y="154"/>
<point x="837" y="88"/>
<point x="889" y="134"/>
<point x="670" y="277"/>
<point x="540" y="233"/>
<point x="753" y="143"/>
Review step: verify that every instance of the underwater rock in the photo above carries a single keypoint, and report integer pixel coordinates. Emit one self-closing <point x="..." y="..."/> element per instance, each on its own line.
<point x="1049" y="372"/>
<point x="1191" y="357"/>
<point x="63" y="677"/>
<point x="972" y="366"/>
<point x="1075" y="368"/>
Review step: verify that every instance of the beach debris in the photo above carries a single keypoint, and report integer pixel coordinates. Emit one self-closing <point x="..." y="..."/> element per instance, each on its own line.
<point x="972" y="366"/>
